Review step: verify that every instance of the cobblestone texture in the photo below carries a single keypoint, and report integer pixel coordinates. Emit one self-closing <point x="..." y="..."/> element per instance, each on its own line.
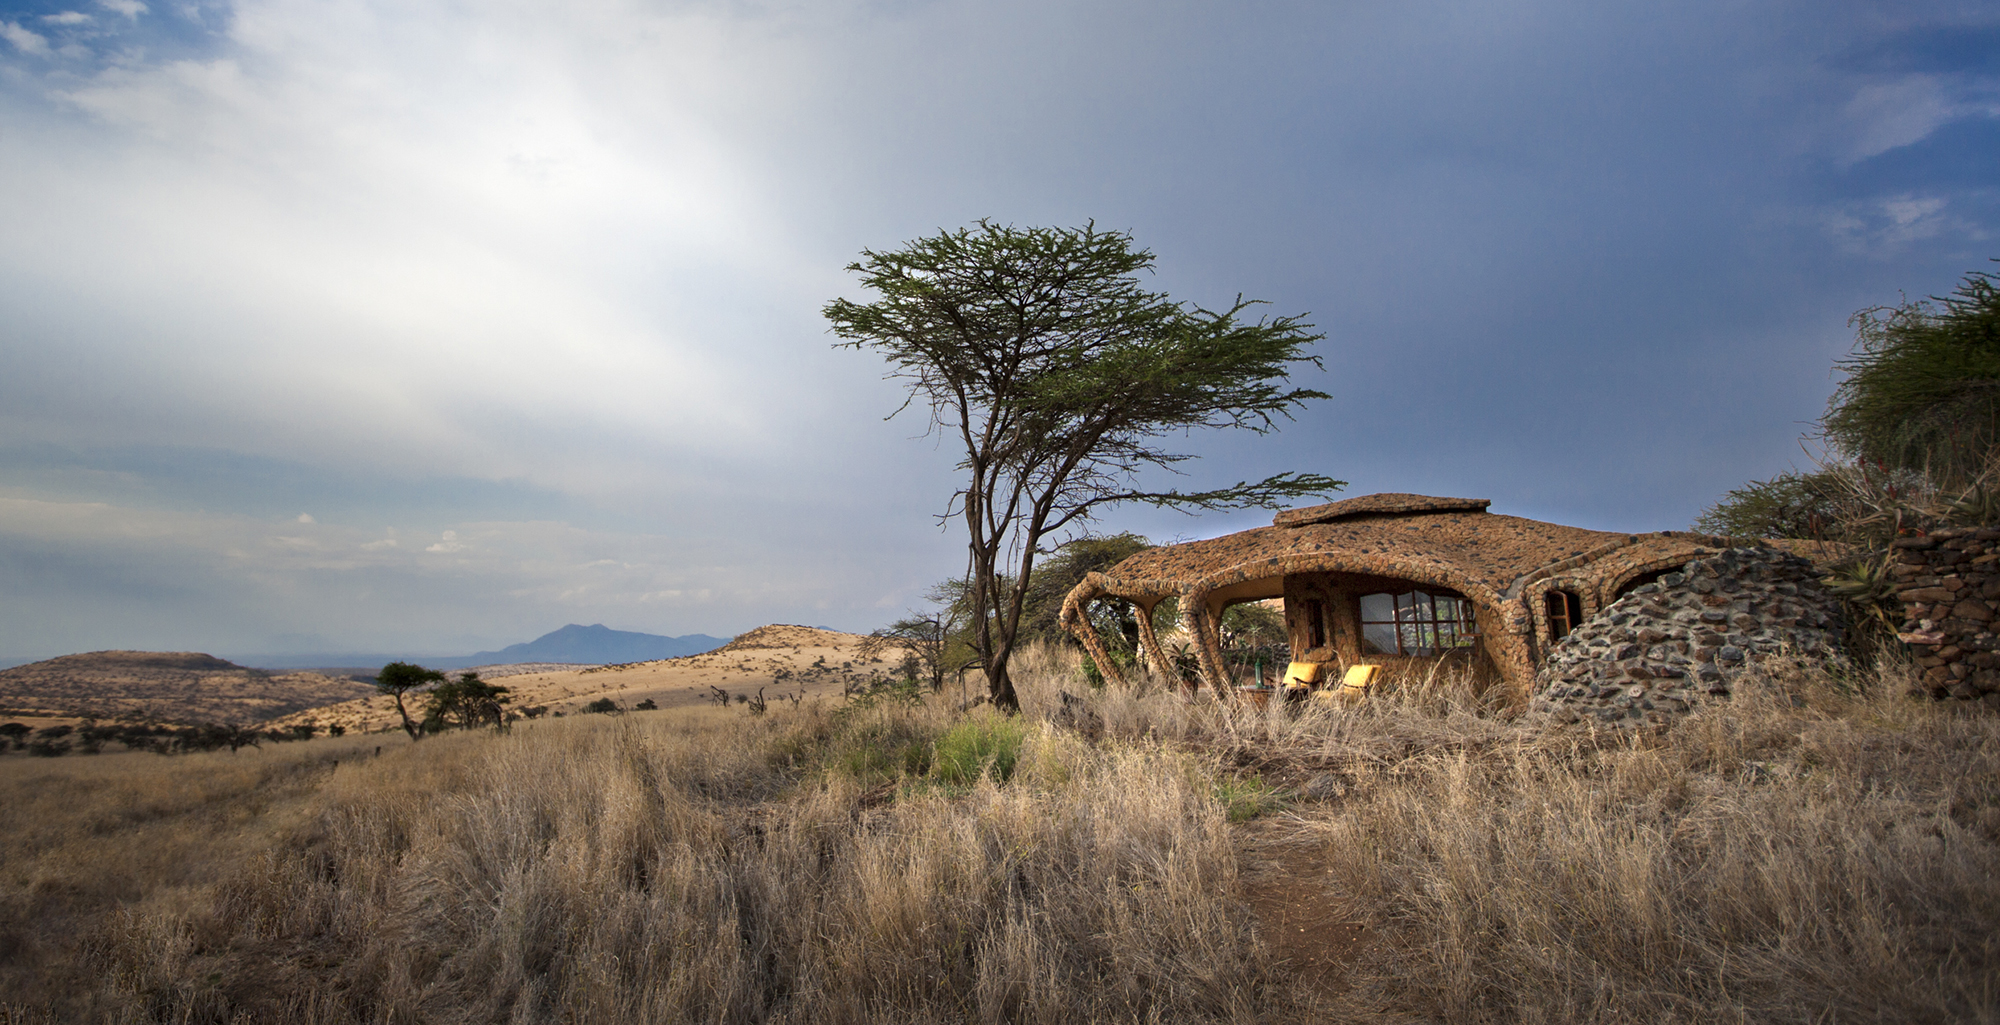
<point x="1949" y="583"/>
<point x="1667" y="645"/>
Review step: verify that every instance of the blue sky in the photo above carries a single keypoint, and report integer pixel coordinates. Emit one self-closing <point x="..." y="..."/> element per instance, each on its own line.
<point x="430" y="327"/>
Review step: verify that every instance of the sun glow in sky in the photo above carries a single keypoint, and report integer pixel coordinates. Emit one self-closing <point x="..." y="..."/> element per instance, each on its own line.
<point x="430" y="327"/>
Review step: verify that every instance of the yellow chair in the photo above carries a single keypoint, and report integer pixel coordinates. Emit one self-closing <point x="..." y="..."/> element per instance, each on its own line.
<point x="1353" y="687"/>
<point x="1302" y="674"/>
<point x="1360" y="679"/>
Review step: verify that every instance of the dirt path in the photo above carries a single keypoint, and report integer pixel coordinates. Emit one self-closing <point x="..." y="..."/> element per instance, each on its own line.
<point x="1299" y="916"/>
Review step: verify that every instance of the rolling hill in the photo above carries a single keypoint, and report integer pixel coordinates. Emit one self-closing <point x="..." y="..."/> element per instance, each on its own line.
<point x="172" y="687"/>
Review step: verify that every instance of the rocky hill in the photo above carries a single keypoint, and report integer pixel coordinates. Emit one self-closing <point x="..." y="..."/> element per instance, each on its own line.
<point x="172" y="687"/>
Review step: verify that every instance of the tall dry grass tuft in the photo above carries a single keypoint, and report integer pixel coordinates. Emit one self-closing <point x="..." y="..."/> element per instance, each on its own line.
<point x="1806" y="853"/>
<point x="618" y="872"/>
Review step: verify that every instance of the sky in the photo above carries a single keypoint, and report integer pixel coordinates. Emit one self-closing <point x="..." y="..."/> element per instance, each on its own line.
<point x="345" y="326"/>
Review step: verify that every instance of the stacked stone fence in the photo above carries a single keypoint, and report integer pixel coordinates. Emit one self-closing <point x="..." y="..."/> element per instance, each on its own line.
<point x="1949" y="583"/>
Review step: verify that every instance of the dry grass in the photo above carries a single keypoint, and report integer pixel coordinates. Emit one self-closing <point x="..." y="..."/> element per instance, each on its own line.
<point x="1831" y="858"/>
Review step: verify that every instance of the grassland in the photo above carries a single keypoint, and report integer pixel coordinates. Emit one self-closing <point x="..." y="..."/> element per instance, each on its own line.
<point x="1816" y="851"/>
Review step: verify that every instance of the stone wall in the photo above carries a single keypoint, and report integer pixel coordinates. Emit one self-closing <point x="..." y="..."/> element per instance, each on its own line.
<point x="1667" y="645"/>
<point x="1949" y="583"/>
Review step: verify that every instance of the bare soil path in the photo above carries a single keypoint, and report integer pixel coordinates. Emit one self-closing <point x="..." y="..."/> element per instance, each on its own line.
<point x="1312" y="934"/>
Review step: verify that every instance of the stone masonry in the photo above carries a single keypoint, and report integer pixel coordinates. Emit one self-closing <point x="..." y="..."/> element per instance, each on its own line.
<point x="1665" y="646"/>
<point x="1949" y="583"/>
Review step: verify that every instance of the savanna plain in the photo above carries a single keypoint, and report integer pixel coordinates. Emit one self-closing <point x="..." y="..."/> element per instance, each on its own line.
<point x="1818" y="849"/>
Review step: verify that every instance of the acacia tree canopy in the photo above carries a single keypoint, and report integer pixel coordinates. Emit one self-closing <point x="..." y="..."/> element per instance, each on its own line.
<point x="1923" y="385"/>
<point x="397" y="678"/>
<point x="1037" y="350"/>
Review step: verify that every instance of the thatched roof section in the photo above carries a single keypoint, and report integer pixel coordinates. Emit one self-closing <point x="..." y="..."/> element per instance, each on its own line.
<point x="1450" y="542"/>
<point x="1479" y="554"/>
<point x="1385" y="504"/>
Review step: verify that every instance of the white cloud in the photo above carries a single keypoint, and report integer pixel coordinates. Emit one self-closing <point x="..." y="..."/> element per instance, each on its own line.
<point x="444" y="240"/>
<point x="307" y="518"/>
<point x="67" y="18"/>
<point x="1893" y="223"/>
<point x="24" y="40"/>
<point x="1888" y="115"/>
<point x="450" y="543"/>
<point x="129" y="8"/>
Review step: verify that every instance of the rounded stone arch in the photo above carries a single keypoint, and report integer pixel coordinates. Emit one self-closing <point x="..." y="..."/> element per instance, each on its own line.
<point x="1637" y="574"/>
<point x="1580" y="586"/>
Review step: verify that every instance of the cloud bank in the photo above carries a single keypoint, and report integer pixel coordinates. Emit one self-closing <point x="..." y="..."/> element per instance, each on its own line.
<point x="517" y="307"/>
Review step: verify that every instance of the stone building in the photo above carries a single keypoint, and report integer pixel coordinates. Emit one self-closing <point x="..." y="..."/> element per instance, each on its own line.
<point x="1392" y="578"/>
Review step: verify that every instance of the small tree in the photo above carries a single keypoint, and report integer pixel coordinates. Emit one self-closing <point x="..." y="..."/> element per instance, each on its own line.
<point x="927" y="642"/>
<point x="398" y="678"/>
<point x="1037" y="350"/>
<point x="465" y="702"/>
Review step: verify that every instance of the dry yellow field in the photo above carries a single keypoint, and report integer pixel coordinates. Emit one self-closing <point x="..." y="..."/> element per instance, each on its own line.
<point x="1818" y="849"/>
<point x="782" y="662"/>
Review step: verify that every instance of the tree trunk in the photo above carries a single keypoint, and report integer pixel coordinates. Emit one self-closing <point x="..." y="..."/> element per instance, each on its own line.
<point x="408" y="727"/>
<point x="999" y="684"/>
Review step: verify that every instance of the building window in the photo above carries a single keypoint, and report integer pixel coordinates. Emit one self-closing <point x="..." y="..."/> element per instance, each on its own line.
<point x="1315" y="623"/>
<point x="1565" y="612"/>
<point x="1416" y="623"/>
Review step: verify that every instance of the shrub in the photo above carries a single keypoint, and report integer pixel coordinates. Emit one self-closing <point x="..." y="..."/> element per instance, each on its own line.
<point x="967" y="750"/>
<point x="601" y="705"/>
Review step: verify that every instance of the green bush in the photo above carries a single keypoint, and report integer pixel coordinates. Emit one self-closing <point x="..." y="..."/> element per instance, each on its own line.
<point x="966" y="750"/>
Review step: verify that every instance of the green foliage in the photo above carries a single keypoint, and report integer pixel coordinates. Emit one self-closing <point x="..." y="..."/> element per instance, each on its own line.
<point x="1246" y="797"/>
<point x="601" y="705"/>
<point x="1790" y="505"/>
<point x="1251" y="624"/>
<point x="465" y="703"/>
<point x="1056" y="576"/>
<point x="977" y="745"/>
<point x="1923" y="385"/>
<point x="1039" y="352"/>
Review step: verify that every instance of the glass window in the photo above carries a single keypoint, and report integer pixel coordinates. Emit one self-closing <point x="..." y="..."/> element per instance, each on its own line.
<point x="1416" y="623"/>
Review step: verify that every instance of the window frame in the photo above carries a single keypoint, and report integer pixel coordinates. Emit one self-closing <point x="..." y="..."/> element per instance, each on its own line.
<point x="1571" y="615"/>
<point x="1420" y="618"/>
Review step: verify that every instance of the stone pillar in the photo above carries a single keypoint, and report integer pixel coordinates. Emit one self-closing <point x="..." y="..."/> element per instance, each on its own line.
<point x="1072" y="619"/>
<point x="1201" y="617"/>
<point x="1149" y="641"/>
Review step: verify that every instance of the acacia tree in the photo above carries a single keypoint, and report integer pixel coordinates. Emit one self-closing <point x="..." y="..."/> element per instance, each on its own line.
<point x="396" y="679"/>
<point x="1040" y="353"/>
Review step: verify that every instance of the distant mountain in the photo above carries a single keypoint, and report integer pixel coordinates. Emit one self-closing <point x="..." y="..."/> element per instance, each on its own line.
<point x="597" y="645"/>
